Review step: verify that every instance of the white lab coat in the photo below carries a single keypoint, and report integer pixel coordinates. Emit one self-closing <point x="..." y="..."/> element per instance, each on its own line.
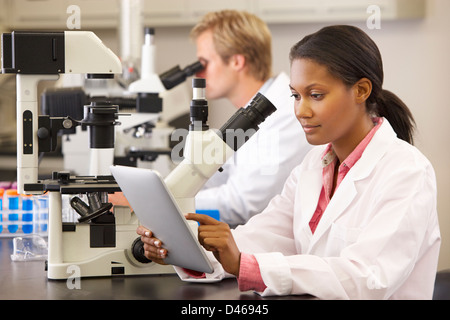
<point x="258" y="170"/>
<point x="378" y="238"/>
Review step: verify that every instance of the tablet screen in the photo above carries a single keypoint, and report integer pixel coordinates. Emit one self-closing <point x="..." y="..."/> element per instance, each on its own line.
<point x="157" y="210"/>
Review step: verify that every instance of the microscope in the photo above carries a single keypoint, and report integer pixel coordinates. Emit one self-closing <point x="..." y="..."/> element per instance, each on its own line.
<point x="101" y="243"/>
<point x="206" y="150"/>
<point x="143" y="135"/>
<point x="37" y="56"/>
<point x="143" y="138"/>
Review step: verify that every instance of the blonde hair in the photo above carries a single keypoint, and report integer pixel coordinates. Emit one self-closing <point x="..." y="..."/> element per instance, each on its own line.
<point x="239" y="32"/>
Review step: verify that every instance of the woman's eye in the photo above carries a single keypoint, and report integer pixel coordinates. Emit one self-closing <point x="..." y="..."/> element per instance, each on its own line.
<point x="317" y="96"/>
<point x="296" y="96"/>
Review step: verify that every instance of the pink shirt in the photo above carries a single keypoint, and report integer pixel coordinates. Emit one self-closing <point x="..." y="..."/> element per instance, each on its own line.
<point x="329" y="160"/>
<point x="249" y="273"/>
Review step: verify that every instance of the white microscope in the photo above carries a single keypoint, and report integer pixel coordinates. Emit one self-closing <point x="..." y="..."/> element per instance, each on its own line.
<point x="143" y="136"/>
<point x="36" y="56"/>
<point x="206" y="150"/>
<point x="103" y="243"/>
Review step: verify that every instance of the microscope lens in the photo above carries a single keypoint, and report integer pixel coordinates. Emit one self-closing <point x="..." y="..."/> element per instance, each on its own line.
<point x="261" y="107"/>
<point x="94" y="201"/>
<point x="246" y="120"/>
<point x="79" y="206"/>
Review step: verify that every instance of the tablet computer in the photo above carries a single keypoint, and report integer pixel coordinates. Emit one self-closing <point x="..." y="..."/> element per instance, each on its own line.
<point x="157" y="210"/>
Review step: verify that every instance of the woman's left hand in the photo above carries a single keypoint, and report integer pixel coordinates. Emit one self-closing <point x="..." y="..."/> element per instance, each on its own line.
<point x="216" y="236"/>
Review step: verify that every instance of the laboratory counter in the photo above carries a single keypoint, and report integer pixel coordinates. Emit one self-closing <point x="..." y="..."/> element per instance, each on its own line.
<point x="27" y="280"/>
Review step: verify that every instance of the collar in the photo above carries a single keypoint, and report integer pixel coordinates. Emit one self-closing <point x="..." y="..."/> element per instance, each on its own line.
<point x="329" y="156"/>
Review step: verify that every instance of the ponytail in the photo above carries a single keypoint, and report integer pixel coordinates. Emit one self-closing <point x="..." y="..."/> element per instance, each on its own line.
<point x="350" y="55"/>
<point x="390" y="106"/>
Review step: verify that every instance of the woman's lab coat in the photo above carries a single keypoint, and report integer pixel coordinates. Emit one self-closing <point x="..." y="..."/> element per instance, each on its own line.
<point x="259" y="169"/>
<point x="378" y="238"/>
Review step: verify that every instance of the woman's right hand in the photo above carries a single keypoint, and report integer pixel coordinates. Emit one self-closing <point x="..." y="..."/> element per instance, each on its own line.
<point x="153" y="249"/>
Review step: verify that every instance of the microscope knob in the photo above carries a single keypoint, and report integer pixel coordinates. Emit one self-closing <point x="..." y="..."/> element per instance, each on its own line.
<point x="137" y="249"/>
<point x="43" y="133"/>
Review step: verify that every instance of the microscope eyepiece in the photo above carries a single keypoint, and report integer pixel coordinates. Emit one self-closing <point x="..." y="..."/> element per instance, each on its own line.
<point x="175" y="76"/>
<point x="192" y="69"/>
<point x="260" y="108"/>
<point x="245" y="122"/>
<point x="199" y="106"/>
<point x="198" y="83"/>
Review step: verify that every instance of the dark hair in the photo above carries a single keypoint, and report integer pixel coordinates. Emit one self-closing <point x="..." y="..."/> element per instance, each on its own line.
<point x="350" y="55"/>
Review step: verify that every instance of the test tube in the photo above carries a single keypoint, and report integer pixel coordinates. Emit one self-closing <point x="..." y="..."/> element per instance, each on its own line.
<point x="27" y="214"/>
<point x="43" y="213"/>
<point x="13" y="210"/>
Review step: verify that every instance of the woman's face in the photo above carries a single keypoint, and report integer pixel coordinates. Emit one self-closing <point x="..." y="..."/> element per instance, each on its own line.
<point x="327" y="109"/>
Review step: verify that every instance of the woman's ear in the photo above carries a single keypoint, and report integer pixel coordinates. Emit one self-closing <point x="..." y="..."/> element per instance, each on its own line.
<point x="363" y="89"/>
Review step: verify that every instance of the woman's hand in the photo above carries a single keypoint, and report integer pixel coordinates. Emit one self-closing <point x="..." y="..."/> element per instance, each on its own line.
<point x="153" y="249"/>
<point x="216" y="236"/>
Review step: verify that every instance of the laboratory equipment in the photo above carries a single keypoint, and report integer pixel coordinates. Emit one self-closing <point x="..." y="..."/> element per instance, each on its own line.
<point x="101" y="242"/>
<point x="22" y="214"/>
<point x="206" y="150"/>
<point x="149" y="85"/>
<point x="144" y="135"/>
<point x="53" y="53"/>
<point x="29" y="248"/>
<point x="176" y="75"/>
<point x="144" y="187"/>
<point x="13" y="211"/>
<point x="100" y="245"/>
<point x="27" y="214"/>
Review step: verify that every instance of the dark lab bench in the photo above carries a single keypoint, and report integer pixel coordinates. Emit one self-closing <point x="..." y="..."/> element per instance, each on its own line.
<point x="28" y="281"/>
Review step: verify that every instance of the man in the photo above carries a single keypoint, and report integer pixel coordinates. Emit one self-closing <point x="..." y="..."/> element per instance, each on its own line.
<point x="235" y="49"/>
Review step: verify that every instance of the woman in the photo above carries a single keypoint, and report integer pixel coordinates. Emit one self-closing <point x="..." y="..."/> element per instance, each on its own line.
<point x="357" y="219"/>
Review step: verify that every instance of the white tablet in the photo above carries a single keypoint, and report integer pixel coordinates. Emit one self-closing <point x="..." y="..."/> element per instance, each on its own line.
<point x="157" y="210"/>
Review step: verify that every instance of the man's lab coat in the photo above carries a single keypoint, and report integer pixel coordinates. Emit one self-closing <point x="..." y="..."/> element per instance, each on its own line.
<point x="258" y="170"/>
<point x="378" y="238"/>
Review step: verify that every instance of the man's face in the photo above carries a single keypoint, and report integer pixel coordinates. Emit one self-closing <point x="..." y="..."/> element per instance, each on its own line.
<point x="220" y="77"/>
